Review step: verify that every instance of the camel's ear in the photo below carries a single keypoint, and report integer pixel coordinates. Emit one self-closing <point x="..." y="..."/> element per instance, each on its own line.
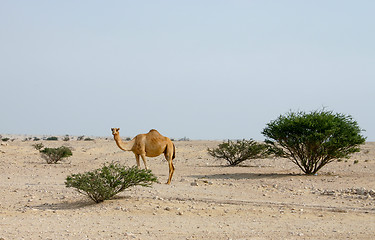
<point x="111" y="129"/>
<point x="118" y="129"/>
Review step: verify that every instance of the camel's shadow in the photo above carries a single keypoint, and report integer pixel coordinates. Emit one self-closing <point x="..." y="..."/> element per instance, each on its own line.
<point x="251" y="176"/>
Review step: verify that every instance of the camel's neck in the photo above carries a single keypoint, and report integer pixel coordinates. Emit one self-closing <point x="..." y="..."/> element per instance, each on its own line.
<point x="126" y="146"/>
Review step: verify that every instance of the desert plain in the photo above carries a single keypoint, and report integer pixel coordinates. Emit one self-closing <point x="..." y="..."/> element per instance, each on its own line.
<point x="261" y="199"/>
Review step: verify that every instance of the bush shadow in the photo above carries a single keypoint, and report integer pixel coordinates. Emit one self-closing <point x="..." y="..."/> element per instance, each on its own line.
<point x="65" y="205"/>
<point x="74" y="205"/>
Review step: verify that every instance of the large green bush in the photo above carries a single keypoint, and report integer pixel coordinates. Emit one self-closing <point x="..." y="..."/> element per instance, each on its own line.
<point x="311" y="140"/>
<point x="104" y="183"/>
<point x="235" y="152"/>
<point x="54" y="155"/>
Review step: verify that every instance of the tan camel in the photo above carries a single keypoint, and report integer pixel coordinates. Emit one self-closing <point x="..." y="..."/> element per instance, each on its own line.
<point x="151" y="144"/>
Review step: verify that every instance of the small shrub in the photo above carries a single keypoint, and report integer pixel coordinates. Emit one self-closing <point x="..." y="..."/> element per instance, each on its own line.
<point x="235" y="152"/>
<point x="312" y="140"/>
<point x="104" y="183"/>
<point x="184" y="139"/>
<point x="66" y="138"/>
<point x="80" y="138"/>
<point x="36" y="139"/>
<point x="88" y="139"/>
<point x="38" y="146"/>
<point x="52" y="139"/>
<point x="5" y="139"/>
<point x="54" y="155"/>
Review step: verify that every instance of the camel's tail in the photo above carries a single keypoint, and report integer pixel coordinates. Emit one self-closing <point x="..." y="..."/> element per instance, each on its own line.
<point x="174" y="151"/>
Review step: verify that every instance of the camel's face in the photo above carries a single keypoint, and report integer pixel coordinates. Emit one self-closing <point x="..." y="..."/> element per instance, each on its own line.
<point x="115" y="131"/>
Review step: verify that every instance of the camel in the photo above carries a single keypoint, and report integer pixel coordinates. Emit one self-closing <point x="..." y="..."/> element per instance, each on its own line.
<point x="151" y="144"/>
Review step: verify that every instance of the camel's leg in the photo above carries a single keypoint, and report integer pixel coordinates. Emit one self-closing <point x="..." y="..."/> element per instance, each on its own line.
<point x="171" y="171"/>
<point x="144" y="160"/>
<point x="137" y="159"/>
<point x="168" y="157"/>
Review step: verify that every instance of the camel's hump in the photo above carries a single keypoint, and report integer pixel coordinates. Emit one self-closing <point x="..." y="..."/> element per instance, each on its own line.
<point x="154" y="131"/>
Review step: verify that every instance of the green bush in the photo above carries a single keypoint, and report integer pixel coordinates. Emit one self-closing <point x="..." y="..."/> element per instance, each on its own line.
<point x="311" y="140"/>
<point x="80" y="138"/>
<point x="54" y="155"/>
<point x="38" y="146"/>
<point x="235" y="152"/>
<point x="52" y="139"/>
<point x="104" y="183"/>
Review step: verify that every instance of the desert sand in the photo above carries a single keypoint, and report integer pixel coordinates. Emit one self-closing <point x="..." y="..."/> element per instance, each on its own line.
<point x="262" y="199"/>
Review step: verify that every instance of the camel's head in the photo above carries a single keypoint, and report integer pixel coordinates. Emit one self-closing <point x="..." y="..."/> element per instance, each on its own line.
<point x="115" y="131"/>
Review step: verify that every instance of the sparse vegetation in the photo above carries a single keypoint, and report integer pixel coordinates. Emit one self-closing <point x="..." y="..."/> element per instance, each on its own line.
<point x="38" y="146"/>
<point x="104" y="183"/>
<point x="52" y="139"/>
<point x="54" y="155"/>
<point x="312" y="140"/>
<point x="66" y="138"/>
<point x="5" y="139"/>
<point x="80" y="138"/>
<point x="185" y="139"/>
<point x="235" y="152"/>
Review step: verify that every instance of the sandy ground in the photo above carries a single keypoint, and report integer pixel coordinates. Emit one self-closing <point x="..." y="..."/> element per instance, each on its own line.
<point x="263" y="199"/>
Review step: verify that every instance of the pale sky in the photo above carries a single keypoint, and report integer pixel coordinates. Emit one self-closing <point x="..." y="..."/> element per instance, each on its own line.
<point x="206" y="69"/>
